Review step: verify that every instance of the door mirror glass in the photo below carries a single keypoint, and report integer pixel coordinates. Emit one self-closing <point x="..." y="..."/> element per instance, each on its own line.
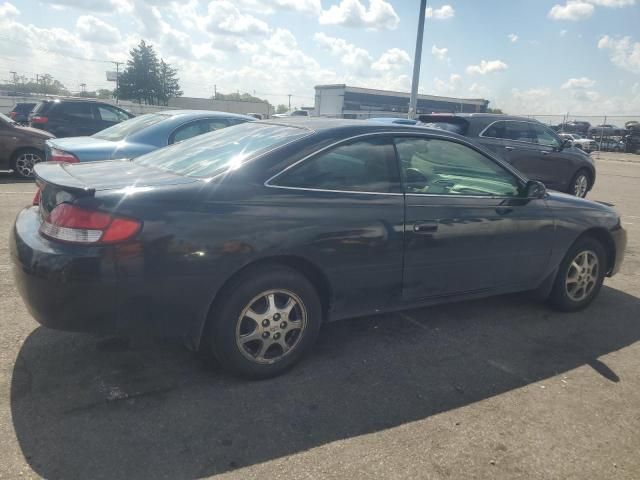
<point x="535" y="189"/>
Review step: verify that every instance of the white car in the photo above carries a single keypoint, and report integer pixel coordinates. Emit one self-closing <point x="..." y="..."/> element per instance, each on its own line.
<point x="586" y="144"/>
<point x="292" y="113"/>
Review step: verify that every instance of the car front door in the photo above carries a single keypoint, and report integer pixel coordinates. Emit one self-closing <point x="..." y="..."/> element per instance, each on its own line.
<point x="343" y="209"/>
<point x="523" y="151"/>
<point x="492" y="138"/>
<point x="468" y="229"/>
<point x="107" y="116"/>
<point x="555" y="169"/>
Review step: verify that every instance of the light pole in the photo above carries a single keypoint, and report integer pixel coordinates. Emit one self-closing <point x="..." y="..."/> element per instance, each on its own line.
<point x="413" y="101"/>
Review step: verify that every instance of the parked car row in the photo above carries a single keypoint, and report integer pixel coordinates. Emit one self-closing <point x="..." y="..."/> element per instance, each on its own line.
<point x="247" y="239"/>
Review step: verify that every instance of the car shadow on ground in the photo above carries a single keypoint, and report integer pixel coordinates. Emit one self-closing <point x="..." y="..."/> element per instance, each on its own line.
<point x="6" y="177"/>
<point x="84" y="408"/>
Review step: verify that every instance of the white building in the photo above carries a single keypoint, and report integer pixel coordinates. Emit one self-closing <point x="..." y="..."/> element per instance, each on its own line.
<point x="343" y="101"/>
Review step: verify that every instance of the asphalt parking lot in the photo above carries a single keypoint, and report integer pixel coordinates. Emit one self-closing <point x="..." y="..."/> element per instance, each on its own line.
<point x="500" y="388"/>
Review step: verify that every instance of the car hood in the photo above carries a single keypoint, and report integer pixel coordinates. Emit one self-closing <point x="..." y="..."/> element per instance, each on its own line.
<point x="559" y="200"/>
<point x="34" y="132"/>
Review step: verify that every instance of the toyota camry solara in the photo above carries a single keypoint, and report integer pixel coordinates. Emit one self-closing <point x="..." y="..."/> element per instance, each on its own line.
<point x="246" y="240"/>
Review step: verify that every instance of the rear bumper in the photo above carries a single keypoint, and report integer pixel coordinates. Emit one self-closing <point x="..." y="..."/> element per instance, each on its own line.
<point x="101" y="289"/>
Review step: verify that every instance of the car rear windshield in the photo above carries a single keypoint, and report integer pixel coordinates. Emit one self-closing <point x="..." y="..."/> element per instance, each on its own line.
<point x="23" y="107"/>
<point x="448" y="126"/>
<point x="207" y="155"/>
<point x="122" y="130"/>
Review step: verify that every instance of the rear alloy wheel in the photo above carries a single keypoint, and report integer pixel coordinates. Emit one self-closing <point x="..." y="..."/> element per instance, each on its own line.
<point x="580" y="184"/>
<point x="580" y="276"/>
<point x="268" y="319"/>
<point x="24" y="161"/>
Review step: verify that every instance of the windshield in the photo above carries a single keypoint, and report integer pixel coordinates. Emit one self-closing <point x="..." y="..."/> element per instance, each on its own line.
<point x="207" y="155"/>
<point x="5" y="119"/>
<point x="122" y="130"/>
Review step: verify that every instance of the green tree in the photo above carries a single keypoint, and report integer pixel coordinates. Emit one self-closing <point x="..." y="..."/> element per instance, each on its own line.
<point x="104" y="93"/>
<point x="282" y="108"/>
<point x="147" y="79"/>
<point x="169" y="85"/>
<point x="494" y="110"/>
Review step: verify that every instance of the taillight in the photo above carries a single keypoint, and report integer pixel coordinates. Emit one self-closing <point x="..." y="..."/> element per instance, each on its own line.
<point x="69" y="223"/>
<point x="38" y="119"/>
<point x="62" y="156"/>
<point x="36" y="198"/>
<point x="12" y="115"/>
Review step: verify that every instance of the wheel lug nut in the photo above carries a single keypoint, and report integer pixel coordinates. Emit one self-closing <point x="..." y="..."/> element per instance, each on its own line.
<point x="276" y="336"/>
<point x="276" y="317"/>
<point x="265" y="323"/>
<point x="265" y="334"/>
<point x="283" y="325"/>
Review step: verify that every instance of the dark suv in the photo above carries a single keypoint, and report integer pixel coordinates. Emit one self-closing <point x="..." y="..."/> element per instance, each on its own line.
<point x="75" y="117"/>
<point x="530" y="146"/>
<point x="20" y="112"/>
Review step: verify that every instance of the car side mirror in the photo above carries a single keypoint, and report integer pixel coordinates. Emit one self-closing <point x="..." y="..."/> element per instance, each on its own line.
<point x="535" y="189"/>
<point x="566" y="143"/>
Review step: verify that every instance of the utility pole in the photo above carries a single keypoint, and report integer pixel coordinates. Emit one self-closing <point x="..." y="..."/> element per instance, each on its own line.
<point x="413" y="101"/>
<point x="15" y="82"/>
<point x="289" y="101"/>
<point x="215" y="92"/>
<point x="83" y="89"/>
<point x="117" y="64"/>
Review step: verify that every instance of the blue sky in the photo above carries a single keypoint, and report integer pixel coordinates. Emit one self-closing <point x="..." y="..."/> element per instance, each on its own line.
<point x="526" y="57"/>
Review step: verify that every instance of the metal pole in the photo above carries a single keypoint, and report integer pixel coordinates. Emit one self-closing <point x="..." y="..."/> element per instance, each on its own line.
<point x="413" y="101"/>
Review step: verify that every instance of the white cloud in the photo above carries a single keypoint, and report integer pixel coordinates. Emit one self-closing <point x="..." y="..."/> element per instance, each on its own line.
<point x="450" y="87"/>
<point x="573" y="10"/>
<point x="93" y="29"/>
<point x="102" y="6"/>
<point x="440" y="53"/>
<point x="223" y="16"/>
<point x="513" y="38"/>
<point x="269" y="7"/>
<point x="623" y="52"/>
<point x="613" y="3"/>
<point x="352" y="13"/>
<point x="443" y="13"/>
<point x="8" y="10"/>
<point x="578" y="83"/>
<point x="485" y="67"/>
<point x="563" y="33"/>
<point x="389" y="71"/>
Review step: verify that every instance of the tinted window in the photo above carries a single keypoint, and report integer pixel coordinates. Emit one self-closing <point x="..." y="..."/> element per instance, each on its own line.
<point x="363" y="166"/>
<point x="122" y="130"/>
<point x="299" y="113"/>
<point x="213" y="124"/>
<point x="186" y="131"/>
<point x="110" y="114"/>
<point x="520" y="132"/>
<point x="77" y="109"/>
<point x="495" y="130"/>
<point x="212" y="153"/>
<point x="442" y="167"/>
<point x="544" y="136"/>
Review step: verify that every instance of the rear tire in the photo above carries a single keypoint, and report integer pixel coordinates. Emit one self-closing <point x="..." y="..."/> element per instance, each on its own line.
<point x="24" y="160"/>
<point x="580" y="276"/>
<point x="580" y="184"/>
<point x="268" y="320"/>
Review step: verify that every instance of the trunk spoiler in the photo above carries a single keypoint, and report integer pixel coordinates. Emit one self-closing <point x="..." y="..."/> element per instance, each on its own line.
<point x="57" y="174"/>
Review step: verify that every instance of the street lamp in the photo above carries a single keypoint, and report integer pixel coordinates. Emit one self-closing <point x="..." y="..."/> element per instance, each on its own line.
<point x="413" y="101"/>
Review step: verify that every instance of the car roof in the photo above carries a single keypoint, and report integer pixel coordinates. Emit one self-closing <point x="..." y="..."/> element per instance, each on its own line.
<point x="204" y="113"/>
<point x="346" y="127"/>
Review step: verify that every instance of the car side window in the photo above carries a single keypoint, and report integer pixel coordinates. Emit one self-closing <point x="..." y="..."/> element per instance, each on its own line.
<point x="359" y="166"/>
<point x="78" y="109"/>
<point x="213" y="124"/>
<point x="184" y="132"/>
<point x="495" y="130"/>
<point x="443" y="167"/>
<point x="544" y="136"/>
<point x="520" y="132"/>
<point x="109" y="114"/>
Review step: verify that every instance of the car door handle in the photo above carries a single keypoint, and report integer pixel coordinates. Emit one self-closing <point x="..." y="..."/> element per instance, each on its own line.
<point x="425" y="227"/>
<point x="508" y="149"/>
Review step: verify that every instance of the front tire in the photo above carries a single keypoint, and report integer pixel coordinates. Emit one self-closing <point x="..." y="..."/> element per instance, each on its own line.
<point x="580" y="276"/>
<point x="268" y="320"/>
<point x="23" y="162"/>
<point x="580" y="184"/>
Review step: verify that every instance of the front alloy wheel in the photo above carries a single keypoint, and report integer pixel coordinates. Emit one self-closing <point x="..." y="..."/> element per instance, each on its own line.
<point x="581" y="185"/>
<point x="582" y="275"/>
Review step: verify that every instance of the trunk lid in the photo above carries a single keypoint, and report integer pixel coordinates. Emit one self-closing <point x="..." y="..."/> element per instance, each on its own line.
<point x="65" y="182"/>
<point x="85" y="148"/>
